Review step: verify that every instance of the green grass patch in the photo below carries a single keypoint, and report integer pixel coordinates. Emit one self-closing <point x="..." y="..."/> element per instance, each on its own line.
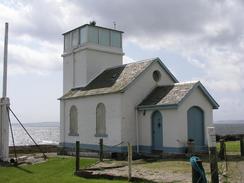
<point x="55" y="170"/>
<point x="231" y="146"/>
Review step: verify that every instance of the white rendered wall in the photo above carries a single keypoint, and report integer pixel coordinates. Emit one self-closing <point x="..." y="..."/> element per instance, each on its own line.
<point x="134" y="96"/>
<point x="62" y="121"/>
<point x="197" y="98"/>
<point x="83" y="64"/>
<point x="87" y="119"/>
<point x="99" y="59"/>
<point x="67" y="73"/>
<point x="175" y="121"/>
<point x="80" y="71"/>
<point x="4" y="129"/>
<point x="74" y="70"/>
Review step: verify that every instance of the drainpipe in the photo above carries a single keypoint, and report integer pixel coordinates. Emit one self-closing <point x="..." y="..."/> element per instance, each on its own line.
<point x="64" y="122"/>
<point x="73" y="57"/>
<point x="137" y="131"/>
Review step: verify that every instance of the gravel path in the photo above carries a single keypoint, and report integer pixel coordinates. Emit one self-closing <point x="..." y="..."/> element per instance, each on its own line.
<point x="142" y="172"/>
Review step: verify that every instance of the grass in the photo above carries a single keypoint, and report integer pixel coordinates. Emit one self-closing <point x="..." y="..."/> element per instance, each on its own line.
<point x="231" y="146"/>
<point x="56" y="169"/>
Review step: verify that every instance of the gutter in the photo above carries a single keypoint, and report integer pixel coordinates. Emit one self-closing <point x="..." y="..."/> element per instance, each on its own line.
<point x="137" y="131"/>
<point x="151" y="107"/>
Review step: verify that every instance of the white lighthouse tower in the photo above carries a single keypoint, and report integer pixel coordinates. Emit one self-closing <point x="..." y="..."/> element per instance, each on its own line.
<point x="88" y="50"/>
<point x="4" y="104"/>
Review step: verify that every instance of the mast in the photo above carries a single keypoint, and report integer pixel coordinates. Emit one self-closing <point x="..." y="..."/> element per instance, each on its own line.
<point x="5" y="60"/>
<point x="4" y="104"/>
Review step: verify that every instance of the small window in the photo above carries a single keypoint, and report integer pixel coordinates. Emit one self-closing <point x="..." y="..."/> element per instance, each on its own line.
<point x="83" y="35"/>
<point x="156" y="76"/>
<point x="115" y="39"/>
<point x="93" y="34"/>
<point x="73" y="126"/>
<point x="75" y="38"/>
<point x="100" y="120"/>
<point x="67" y="40"/>
<point x="104" y="37"/>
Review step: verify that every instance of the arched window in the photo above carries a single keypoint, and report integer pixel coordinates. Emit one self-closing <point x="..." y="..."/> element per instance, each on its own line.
<point x="73" y="121"/>
<point x="101" y="120"/>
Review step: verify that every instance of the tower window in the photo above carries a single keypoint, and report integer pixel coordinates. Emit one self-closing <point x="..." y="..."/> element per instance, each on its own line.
<point x="104" y="37"/>
<point x="83" y="35"/>
<point x="67" y="45"/>
<point x="75" y="38"/>
<point x="93" y="34"/>
<point x="115" y="39"/>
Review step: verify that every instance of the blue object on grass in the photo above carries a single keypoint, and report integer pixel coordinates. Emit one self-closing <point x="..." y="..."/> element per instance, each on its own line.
<point x="199" y="169"/>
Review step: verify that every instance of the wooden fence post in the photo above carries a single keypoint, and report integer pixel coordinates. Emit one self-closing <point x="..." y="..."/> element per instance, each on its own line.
<point x="190" y="147"/>
<point x="213" y="155"/>
<point x="101" y="149"/>
<point x="242" y="145"/>
<point x="129" y="161"/>
<point x="222" y="151"/>
<point x="77" y="155"/>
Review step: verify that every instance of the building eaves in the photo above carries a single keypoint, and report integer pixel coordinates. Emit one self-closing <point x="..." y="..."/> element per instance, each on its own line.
<point x="171" y="96"/>
<point x="112" y="80"/>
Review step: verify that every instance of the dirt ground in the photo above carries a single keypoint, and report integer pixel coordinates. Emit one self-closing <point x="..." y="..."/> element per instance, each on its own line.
<point x="171" y="170"/>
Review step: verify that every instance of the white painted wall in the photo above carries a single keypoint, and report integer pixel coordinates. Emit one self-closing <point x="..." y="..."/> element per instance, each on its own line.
<point x="87" y="119"/>
<point x="134" y="96"/>
<point x="100" y="58"/>
<point x="67" y="73"/>
<point x="62" y="121"/>
<point x="175" y="121"/>
<point x="84" y="63"/>
<point x="197" y="98"/>
<point x="80" y="71"/>
<point x="4" y="129"/>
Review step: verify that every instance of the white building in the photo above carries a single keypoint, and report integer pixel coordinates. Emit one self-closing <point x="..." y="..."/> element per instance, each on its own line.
<point x="141" y="102"/>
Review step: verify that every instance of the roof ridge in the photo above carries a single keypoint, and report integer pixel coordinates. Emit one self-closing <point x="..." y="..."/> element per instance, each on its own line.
<point x="144" y="60"/>
<point x="181" y="83"/>
<point x="136" y="62"/>
<point x="187" y="82"/>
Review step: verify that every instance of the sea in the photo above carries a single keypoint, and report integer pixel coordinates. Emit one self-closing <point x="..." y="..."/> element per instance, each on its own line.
<point x="48" y="132"/>
<point x="42" y="133"/>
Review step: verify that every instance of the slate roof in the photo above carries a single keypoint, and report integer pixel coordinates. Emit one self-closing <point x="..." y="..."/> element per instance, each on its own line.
<point x="168" y="95"/>
<point x="111" y="80"/>
<point x="171" y="96"/>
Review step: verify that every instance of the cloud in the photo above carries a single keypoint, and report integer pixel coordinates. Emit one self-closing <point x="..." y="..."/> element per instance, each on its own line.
<point x="208" y="34"/>
<point x="127" y="60"/>
<point x="35" y="28"/>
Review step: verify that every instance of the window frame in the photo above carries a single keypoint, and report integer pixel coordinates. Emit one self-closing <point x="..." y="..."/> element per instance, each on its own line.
<point x="101" y="132"/>
<point x="73" y="111"/>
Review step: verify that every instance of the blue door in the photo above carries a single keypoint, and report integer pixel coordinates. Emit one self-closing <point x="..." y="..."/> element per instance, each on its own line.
<point x="195" y="119"/>
<point x="157" y="131"/>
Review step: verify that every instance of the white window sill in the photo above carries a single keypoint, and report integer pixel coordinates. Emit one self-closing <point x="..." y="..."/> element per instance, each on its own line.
<point x="101" y="135"/>
<point x="73" y="134"/>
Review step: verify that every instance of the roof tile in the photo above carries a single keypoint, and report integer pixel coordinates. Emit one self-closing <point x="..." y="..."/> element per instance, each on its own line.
<point x="168" y="95"/>
<point x="111" y="80"/>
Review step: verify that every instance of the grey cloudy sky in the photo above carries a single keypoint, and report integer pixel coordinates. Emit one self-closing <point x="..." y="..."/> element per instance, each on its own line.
<point x="198" y="40"/>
